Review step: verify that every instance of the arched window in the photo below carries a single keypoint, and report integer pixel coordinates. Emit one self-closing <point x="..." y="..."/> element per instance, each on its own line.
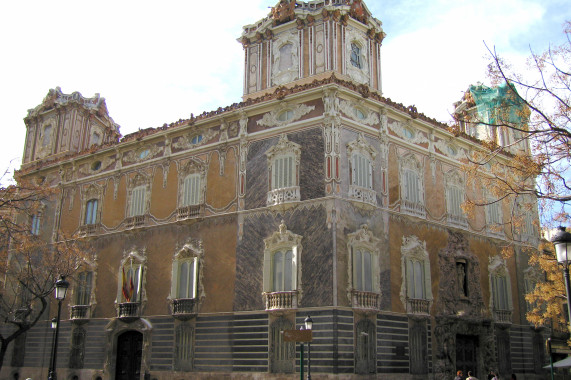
<point x="282" y="271"/>
<point x="364" y="272"/>
<point x="283" y="168"/>
<point x="361" y="174"/>
<point x="416" y="292"/>
<point x="286" y="58"/>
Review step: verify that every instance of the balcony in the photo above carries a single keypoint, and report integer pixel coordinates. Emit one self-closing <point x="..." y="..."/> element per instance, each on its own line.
<point x="189" y="212"/>
<point x="413" y="208"/>
<point x="495" y="231"/>
<point x="362" y="194"/>
<point x="135" y="221"/>
<point x="280" y="300"/>
<point x="283" y="195"/>
<point x="459" y="221"/>
<point x="88" y="230"/>
<point x="128" y="311"/>
<point x="366" y="300"/>
<point x="503" y="316"/>
<point x="417" y="306"/>
<point x="184" y="308"/>
<point x="80" y="312"/>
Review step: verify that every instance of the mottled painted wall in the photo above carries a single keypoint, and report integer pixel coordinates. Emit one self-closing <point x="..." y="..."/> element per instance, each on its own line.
<point x="309" y="221"/>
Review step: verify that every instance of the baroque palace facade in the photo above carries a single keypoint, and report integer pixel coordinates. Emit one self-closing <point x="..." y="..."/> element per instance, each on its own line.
<point x="314" y="195"/>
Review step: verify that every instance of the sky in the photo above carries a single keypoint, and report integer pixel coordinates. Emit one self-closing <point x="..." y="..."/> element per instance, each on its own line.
<point x="156" y="64"/>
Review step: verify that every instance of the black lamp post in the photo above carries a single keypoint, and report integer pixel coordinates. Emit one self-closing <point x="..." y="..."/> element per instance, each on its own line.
<point x="60" y="292"/>
<point x="308" y="326"/>
<point x="562" y="242"/>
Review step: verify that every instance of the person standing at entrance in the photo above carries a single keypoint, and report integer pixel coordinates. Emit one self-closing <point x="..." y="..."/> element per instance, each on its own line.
<point x="459" y="375"/>
<point x="470" y="377"/>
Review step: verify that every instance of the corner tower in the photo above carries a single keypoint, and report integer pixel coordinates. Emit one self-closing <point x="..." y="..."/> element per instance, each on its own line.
<point x="64" y="124"/>
<point x="300" y="41"/>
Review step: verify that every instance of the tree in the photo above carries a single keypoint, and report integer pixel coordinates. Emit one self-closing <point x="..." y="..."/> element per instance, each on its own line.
<point x="30" y="263"/>
<point x="526" y="153"/>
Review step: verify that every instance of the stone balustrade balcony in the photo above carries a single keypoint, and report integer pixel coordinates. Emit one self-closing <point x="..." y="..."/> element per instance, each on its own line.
<point x="128" y="311"/>
<point x="184" y="308"/>
<point x="417" y="306"/>
<point x="280" y="300"/>
<point x="189" y="212"/>
<point x="503" y="316"/>
<point x="413" y="208"/>
<point x="363" y="194"/>
<point x="88" y="230"/>
<point x="79" y="312"/>
<point x="366" y="300"/>
<point x="135" y="221"/>
<point x="283" y="195"/>
<point x="459" y="221"/>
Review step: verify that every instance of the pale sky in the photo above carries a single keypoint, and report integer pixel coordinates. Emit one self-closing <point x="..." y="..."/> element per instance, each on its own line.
<point x="156" y="64"/>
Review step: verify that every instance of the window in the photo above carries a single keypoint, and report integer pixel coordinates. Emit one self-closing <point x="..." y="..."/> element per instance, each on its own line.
<point x="408" y="133"/>
<point x="35" y="224"/>
<point x="454" y="198"/>
<point x="283" y="168"/>
<point x="364" y="273"/>
<point x="187" y="274"/>
<point x="494" y="217"/>
<point x="191" y="190"/>
<point x="500" y="293"/>
<point x="185" y="289"/>
<point x="285" y="115"/>
<point x="184" y="337"/>
<point x="360" y="114"/>
<point x="415" y="279"/>
<point x="356" y="56"/>
<point x="500" y="290"/>
<point x="416" y="292"/>
<point x="362" y="171"/>
<point x="91" y="211"/>
<point x="95" y="138"/>
<point x="418" y="345"/>
<point x="131" y="283"/>
<point x="47" y="137"/>
<point x="144" y="154"/>
<point x="77" y="352"/>
<point x="412" y="191"/>
<point x="362" y="270"/>
<point x="83" y="290"/>
<point x="365" y="347"/>
<point x="282" y="354"/>
<point x="138" y="201"/>
<point x="196" y="139"/>
<point x="281" y="270"/>
<point x="286" y="58"/>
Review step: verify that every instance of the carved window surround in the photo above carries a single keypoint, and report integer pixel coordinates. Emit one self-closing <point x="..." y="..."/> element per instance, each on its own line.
<point x="188" y="306"/>
<point x="455" y="196"/>
<point x="358" y="74"/>
<point x="285" y="73"/>
<point x="130" y="309"/>
<point x="282" y="240"/>
<point x="283" y="161"/>
<point x="138" y="218"/>
<point x="193" y="167"/>
<point x="275" y="117"/>
<point x="500" y="287"/>
<point x="415" y="267"/>
<point x="363" y="240"/>
<point x="83" y="312"/>
<point x="361" y="171"/>
<point x="412" y="186"/>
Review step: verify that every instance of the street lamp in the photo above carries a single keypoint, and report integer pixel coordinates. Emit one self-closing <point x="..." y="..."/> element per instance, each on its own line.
<point x="309" y="326"/>
<point x="60" y="291"/>
<point x="562" y="242"/>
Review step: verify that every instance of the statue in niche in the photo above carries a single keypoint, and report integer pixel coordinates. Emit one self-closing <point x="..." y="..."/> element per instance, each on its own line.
<point x="461" y="274"/>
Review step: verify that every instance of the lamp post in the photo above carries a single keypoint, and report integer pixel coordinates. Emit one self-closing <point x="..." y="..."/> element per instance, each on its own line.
<point x="309" y="326"/>
<point x="562" y="242"/>
<point x="60" y="292"/>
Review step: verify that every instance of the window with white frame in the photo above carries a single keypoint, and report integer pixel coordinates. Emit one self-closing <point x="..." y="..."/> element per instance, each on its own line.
<point x="494" y="216"/>
<point x="355" y="58"/>
<point x="412" y="187"/>
<point x="416" y="291"/>
<point x="186" y="272"/>
<point x="191" y="190"/>
<point x="186" y="289"/>
<point x="91" y="211"/>
<point x="283" y="172"/>
<point x="362" y="270"/>
<point x="282" y="254"/>
<point x="361" y="156"/>
<point x="500" y="292"/>
<point x="83" y="288"/>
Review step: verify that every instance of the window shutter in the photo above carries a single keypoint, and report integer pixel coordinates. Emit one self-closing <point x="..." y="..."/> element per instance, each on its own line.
<point x="294" y="268"/>
<point x="357" y="262"/>
<point x="288" y="275"/>
<point x="174" y="280"/>
<point x="194" y="282"/>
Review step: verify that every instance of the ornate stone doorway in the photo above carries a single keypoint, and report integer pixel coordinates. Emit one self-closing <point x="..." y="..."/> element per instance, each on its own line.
<point x="467" y="354"/>
<point x="129" y="354"/>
